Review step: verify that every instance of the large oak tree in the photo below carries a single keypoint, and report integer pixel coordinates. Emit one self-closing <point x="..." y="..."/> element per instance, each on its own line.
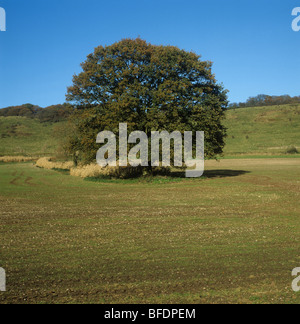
<point x="152" y="88"/>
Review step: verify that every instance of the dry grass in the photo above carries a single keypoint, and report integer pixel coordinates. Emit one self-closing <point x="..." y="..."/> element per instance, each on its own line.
<point x="86" y="171"/>
<point x="94" y="171"/>
<point x="8" y="159"/>
<point x="46" y="163"/>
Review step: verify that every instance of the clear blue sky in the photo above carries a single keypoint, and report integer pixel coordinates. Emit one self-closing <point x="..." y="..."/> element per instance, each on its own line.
<point x="251" y="42"/>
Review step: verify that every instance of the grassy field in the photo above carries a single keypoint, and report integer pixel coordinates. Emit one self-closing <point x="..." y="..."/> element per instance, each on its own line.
<point x="231" y="237"/>
<point x="24" y="136"/>
<point x="262" y="130"/>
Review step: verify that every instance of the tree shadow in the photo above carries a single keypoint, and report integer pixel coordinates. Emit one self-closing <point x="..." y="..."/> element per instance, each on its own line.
<point x="224" y="173"/>
<point x="211" y="174"/>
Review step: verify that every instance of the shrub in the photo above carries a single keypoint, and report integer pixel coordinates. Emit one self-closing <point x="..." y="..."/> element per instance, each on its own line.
<point x="161" y="171"/>
<point x="292" y="150"/>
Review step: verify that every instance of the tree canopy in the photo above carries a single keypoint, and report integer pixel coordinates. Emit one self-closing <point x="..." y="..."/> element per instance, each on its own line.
<point x="149" y="87"/>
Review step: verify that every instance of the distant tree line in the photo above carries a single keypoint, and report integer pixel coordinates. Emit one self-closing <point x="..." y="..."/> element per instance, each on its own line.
<point x="52" y="114"/>
<point x="265" y="100"/>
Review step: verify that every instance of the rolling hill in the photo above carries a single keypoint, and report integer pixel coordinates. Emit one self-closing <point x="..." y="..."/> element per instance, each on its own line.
<point x="263" y="130"/>
<point x="251" y="131"/>
<point x="25" y="136"/>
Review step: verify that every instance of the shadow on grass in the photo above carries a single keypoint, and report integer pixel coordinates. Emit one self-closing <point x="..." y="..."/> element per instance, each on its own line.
<point x="224" y="173"/>
<point x="62" y="171"/>
<point x="175" y="176"/>
<point x="211" y="174"/>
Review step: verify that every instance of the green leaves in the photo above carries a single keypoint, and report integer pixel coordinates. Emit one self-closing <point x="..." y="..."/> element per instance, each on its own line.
<point x="150" y="88"/>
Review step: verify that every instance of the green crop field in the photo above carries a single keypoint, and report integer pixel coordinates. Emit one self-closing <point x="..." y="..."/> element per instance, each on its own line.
<point x="230" y="237"/>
